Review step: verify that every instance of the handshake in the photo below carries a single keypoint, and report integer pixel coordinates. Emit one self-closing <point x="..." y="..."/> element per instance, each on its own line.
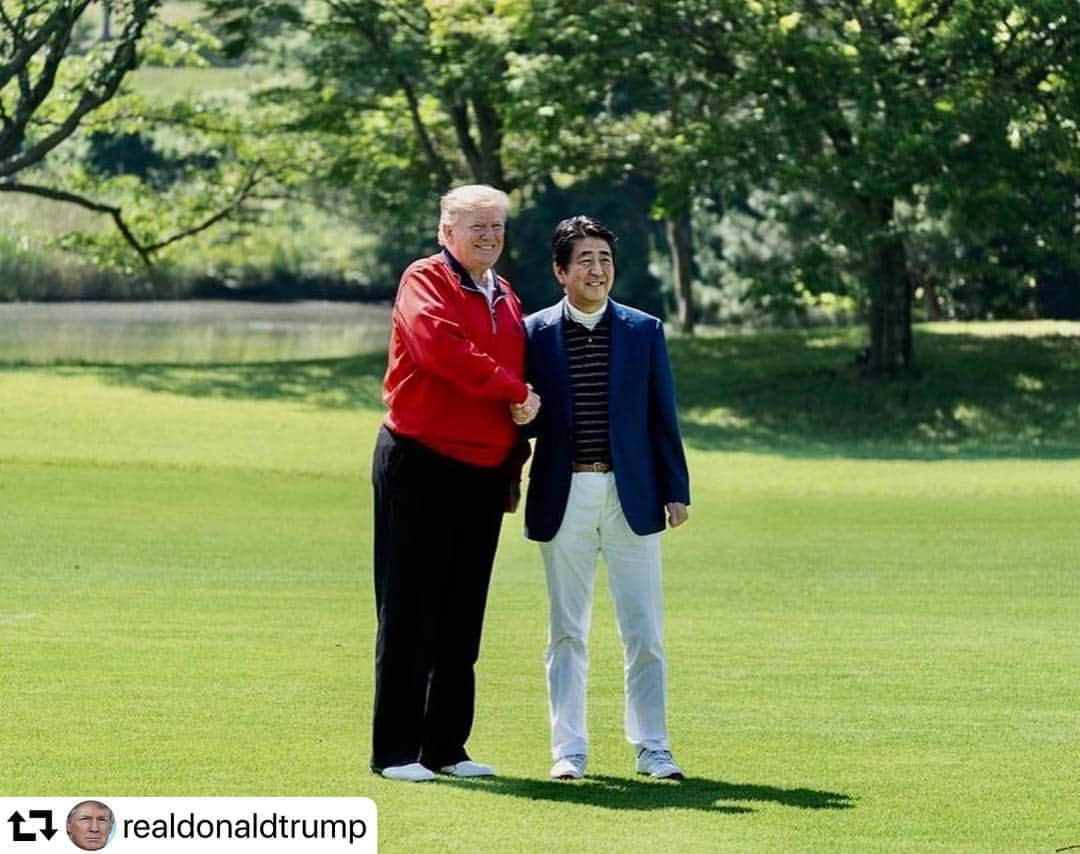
<point x="526" y="411"/>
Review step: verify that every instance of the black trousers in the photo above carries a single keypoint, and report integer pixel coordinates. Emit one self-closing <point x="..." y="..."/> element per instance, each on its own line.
<point x="437" y="524"/>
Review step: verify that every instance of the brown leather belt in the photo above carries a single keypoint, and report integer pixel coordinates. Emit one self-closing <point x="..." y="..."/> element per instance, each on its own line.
<point x="598" y="468"/>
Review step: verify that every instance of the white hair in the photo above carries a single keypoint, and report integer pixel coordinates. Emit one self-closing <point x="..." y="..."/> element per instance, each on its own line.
<point x="470" y="197"/>
<point x="112" y="818"/>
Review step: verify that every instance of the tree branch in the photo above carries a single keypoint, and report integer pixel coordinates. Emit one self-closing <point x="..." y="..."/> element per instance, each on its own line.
<point x="27" y="48"/>
<point x="103" y="85"/>
<point x="437" y="162"/>
<point x="253" y="178"/>
<point x="83" y="202"/>
<point x="459" y="113"/>
<point x="144" y="250"/>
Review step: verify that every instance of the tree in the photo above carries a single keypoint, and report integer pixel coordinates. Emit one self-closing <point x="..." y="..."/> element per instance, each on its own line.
<point x="608" y="89"/>
<point x="870" y="106"/>
<point x="53" y="82"/>
<point x="1011" y="199"/>
<point x="47" y="85"/>
<point x="882" y="116"/>
<point x="412" y="97"/>
<point x="865" y="108"/>
<point x="407" y="97"/>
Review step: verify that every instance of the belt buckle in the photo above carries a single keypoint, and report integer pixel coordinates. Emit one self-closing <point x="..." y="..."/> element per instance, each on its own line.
<point x="597" y="467"/>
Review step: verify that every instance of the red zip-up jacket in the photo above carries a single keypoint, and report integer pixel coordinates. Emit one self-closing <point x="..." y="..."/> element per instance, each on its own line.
<point x="455" y="363"/>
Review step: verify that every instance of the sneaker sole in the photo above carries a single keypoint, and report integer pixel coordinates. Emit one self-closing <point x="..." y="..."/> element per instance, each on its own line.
<point x="676" y="776"/>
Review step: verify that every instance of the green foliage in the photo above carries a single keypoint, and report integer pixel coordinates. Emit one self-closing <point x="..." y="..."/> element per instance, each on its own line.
<point x="610" y="89"/>
<point x="292" y="251"/>
<point x="48" y="84"/>
<point x="865" y="113"/>
<point x="623" y="207"/>
<point x="832" y="159"/>
<point x="33" y="270"/>
<point x="891" y="103"/>
<point x="768" y="260"/>
<point x="398" y="100"/>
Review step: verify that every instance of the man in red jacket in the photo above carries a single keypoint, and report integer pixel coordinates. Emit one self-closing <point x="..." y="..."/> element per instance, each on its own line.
<point x="443" y="470"/>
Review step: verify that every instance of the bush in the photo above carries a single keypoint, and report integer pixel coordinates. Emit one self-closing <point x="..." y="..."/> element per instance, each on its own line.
<point x="34" y="273"/>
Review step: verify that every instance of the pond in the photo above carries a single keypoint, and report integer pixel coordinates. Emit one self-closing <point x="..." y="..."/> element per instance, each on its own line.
<point x="195" y="332"/>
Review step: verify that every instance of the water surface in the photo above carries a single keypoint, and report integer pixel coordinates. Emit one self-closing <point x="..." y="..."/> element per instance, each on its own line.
<point x="191" y="332"/>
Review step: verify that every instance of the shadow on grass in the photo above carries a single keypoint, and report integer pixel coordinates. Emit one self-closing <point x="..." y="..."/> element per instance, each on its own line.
<point x="623" y="793"/>
<point x="798" y="394"/>
<point x="352" y="383"/>
<point x="804" y="394"/>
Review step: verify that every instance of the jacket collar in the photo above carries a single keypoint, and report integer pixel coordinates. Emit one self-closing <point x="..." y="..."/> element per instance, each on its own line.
<point x="466" y="280"/>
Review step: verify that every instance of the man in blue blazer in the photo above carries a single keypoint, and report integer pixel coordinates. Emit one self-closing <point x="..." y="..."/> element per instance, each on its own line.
<point x="608" y="464"/>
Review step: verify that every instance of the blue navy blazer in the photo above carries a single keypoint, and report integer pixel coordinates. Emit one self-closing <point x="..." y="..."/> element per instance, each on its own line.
<point x="643" y="425"/>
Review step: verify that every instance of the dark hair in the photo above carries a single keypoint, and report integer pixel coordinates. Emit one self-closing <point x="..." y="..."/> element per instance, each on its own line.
<point x="577" y="228"/>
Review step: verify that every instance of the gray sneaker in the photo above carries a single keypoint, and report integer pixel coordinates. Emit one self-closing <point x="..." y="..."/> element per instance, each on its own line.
<point x="468" y="768"/>
<point x="569" y="767"/>
<point x="658" y="764"/>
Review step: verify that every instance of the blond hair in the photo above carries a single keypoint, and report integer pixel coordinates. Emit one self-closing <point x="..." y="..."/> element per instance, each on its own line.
<point x="469" y="197"/>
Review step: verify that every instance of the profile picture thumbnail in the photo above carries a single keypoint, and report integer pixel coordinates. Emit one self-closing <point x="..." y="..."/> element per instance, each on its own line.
<point x="90" y="825"/>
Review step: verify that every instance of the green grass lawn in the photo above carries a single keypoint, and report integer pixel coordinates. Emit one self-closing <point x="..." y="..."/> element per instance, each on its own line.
<point x="871" y="617"/>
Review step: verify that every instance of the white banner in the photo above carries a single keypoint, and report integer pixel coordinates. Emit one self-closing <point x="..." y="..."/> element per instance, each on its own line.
<point x="167" y="825"/>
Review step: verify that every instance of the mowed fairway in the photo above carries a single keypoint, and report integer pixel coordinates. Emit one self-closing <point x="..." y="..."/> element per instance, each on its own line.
<point x="873" y="635"/>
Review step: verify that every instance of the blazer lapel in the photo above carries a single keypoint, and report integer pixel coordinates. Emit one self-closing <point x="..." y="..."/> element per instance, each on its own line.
<point x="554" y="349"/>
<point x="616" y="366"/>
<point x="563" y="367"/>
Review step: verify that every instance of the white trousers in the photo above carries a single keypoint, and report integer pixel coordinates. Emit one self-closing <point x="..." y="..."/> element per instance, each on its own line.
<point x="594" y="524"/>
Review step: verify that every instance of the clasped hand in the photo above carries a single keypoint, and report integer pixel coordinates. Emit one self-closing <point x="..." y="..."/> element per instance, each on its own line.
<point x="526" y="411"/>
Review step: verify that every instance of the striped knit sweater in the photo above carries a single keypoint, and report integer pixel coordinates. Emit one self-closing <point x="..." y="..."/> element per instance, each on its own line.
<point x="587" y="357"/>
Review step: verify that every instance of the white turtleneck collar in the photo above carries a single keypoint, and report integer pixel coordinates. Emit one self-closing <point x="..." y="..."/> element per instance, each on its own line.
<point x="589" y="321"/>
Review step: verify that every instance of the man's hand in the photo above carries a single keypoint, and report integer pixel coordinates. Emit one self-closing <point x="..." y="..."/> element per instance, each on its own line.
<point x="677" y="513"/>
<point x="526" y="411"/>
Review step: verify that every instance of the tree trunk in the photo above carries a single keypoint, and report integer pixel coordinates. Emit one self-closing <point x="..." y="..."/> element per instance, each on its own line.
<point x="680" y="241"/>
<point x="106" y="21"/>
<point x="889" y="284"/>
<point x="489" y="129"/>
<point x="479" y="137"/>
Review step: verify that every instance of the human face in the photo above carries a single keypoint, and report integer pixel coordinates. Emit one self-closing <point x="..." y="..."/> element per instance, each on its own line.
<point x="476" y="239"/>
<point x="89" y="826"/>
<point x="589" y="276"/>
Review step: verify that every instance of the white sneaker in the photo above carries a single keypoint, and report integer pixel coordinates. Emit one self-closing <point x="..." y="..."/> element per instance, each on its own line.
<point x="468" y="768"/>
<point x="569" y="767"/>
<point x="658" y="764"/>
<point x="414" y="772"/>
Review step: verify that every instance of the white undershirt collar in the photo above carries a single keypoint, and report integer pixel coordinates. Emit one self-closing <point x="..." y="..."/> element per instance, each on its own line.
<point x="487" y="285"/>
<point x="588" y="320"/>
